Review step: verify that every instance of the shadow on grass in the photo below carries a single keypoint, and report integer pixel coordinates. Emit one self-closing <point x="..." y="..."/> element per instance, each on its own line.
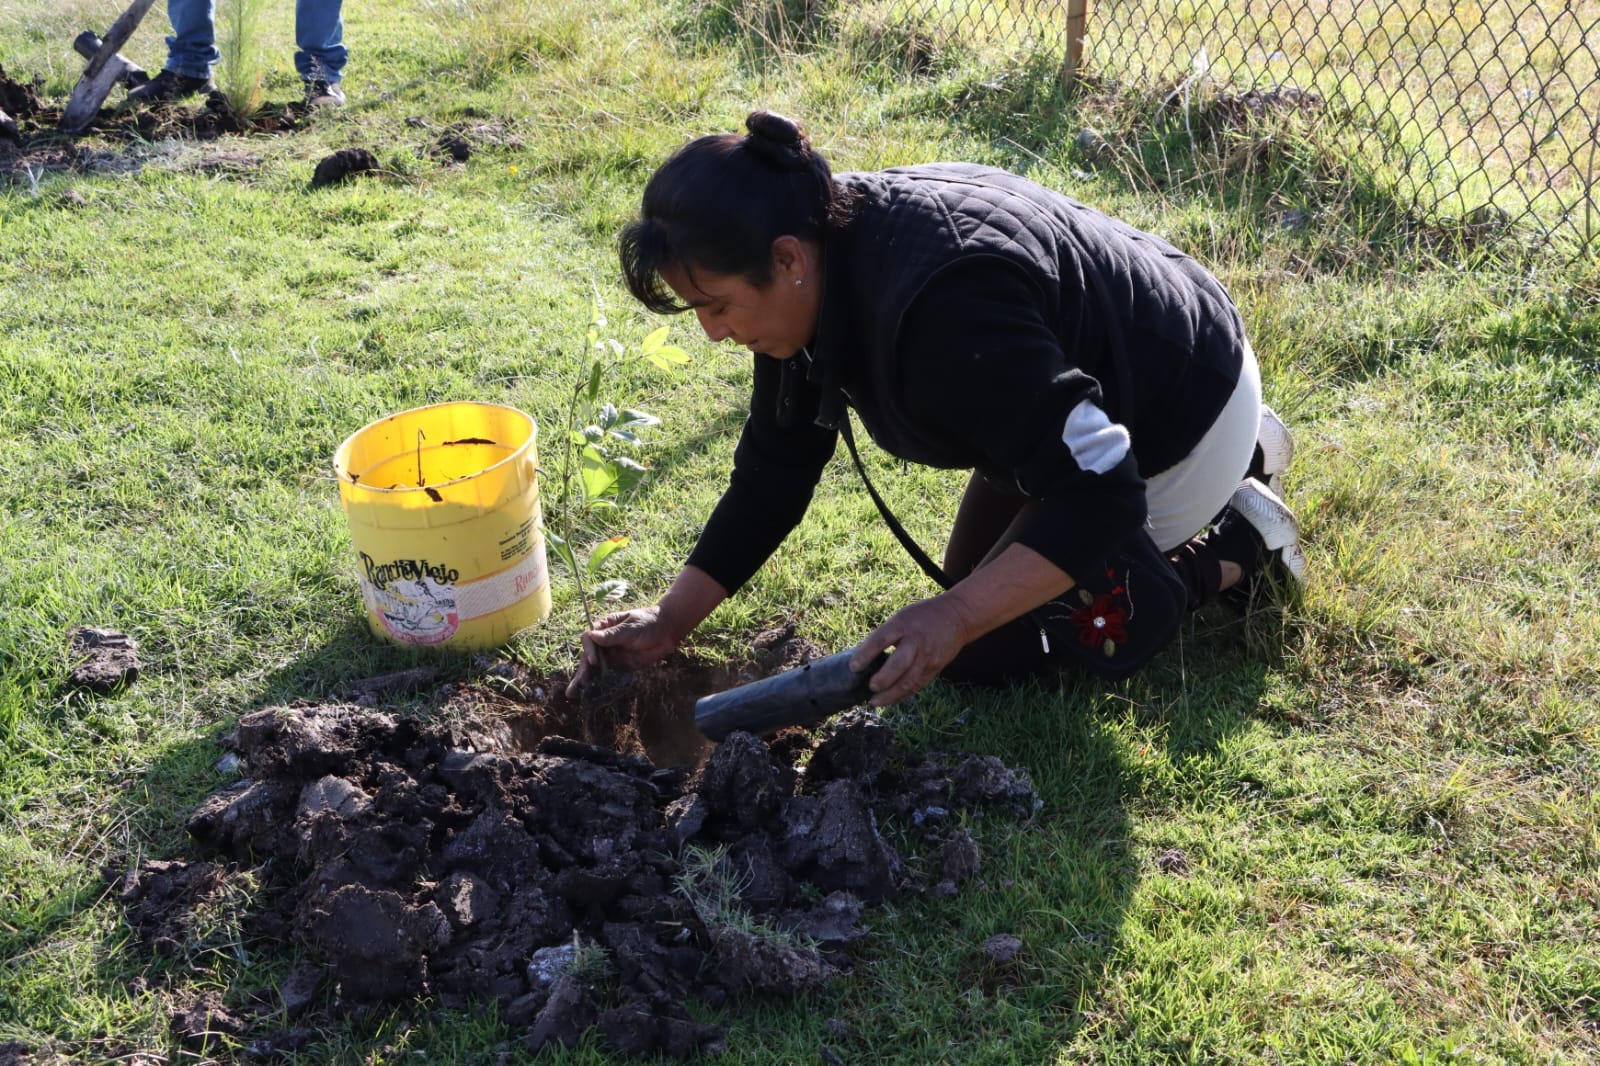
<point x="1063" y="885"/>
<point x="354" y="654"/>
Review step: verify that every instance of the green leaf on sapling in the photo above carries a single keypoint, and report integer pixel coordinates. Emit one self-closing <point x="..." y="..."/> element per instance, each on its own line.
<point x="627" y="421"/>
<point x="598" y="473"/>
<point x="603" y="551"/>
<point x="628" y="473"/>
<point x="662" y="355"/>
<point x="561" y="550"/>
<point x="662" y="360"/>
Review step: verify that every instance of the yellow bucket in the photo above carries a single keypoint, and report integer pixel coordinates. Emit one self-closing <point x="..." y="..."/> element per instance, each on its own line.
<point x="443" y="505"/>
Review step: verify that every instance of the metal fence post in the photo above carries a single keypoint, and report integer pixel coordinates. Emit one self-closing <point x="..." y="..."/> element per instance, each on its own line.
<point x="1077" y="18"/>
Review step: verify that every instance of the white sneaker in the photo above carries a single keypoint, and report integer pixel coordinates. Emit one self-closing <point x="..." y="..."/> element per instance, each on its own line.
<point x="1277" y="448"/>
<point x="1274" y="523"/>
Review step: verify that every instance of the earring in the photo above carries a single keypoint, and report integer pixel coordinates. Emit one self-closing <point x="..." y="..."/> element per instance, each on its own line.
<point x="798" y="280"/>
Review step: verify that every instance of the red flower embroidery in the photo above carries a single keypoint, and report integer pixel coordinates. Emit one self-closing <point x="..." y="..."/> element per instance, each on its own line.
<point x="1101" y="621"/>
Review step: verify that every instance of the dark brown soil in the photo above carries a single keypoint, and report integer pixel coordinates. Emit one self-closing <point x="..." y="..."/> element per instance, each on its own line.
<point x="38" y="146"/>
<point x="13" y="1053"/>
<point x="119" y="137"/>
<point x="343" y="165"/>
<point x="103" y="659"/>
<point x="523" y="850"/>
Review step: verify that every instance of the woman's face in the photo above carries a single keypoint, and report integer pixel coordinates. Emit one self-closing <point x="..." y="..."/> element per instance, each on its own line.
<point x="776" y="319"/>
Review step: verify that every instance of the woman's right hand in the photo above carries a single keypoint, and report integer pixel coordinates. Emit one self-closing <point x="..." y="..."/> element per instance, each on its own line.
<point x="628" y="640"/>
<point x="646" y="635"/>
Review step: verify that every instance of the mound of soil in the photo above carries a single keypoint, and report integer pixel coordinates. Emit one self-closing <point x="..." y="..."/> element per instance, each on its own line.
<point x="575" y="885"/>
<point x="121" y="138"/>
<point x="117" y="140"/>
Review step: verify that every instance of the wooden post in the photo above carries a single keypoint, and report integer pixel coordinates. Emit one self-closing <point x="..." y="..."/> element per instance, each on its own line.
<point x="1077" y="20"/>
<point x="1590" y="191"/>
<point x="101" y="73"/>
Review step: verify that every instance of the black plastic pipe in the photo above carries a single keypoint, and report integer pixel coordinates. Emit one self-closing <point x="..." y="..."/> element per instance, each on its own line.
<point x="802" y="696"/>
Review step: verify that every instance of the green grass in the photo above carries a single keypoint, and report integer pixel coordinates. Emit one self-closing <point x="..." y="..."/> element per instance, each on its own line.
<point x="1360" y="829"/>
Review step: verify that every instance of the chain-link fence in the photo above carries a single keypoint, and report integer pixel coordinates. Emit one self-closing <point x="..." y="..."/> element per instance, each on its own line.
<point x="1484" y="111"/>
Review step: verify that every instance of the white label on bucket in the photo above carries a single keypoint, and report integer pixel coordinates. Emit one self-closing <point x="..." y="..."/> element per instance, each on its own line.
<point x="423" y="610"/>
<point x="505" y="589"/>
<point x="420" y="611"/>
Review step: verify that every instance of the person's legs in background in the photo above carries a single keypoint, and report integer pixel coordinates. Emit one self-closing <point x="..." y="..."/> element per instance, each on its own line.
<point x="191" y="53"/>
<point x="321" y="55"/>
<point x="986" y="512"/>
<point x="192" y="48"/>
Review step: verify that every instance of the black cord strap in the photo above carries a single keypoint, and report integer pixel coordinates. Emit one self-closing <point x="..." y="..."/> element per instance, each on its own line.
<point x="914" y="549"/>
<point x="929" y="567"/>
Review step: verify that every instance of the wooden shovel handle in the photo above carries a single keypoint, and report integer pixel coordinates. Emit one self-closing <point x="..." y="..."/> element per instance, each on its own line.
<point x="96" y="82"/>
<point x="118" y="36"/>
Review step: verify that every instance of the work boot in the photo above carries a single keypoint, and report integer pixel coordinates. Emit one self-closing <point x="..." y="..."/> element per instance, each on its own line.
<point x="1274" y="451"/>
<point x="324" y="94"/>
<point x="169" y="85"/>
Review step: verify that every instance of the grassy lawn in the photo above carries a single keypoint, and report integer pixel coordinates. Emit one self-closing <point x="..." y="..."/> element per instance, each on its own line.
<point x="1360" y="828"/>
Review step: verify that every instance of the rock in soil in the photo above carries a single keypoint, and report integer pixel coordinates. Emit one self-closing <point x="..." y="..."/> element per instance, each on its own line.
<point x="105" y="659"/>
<point x="574" y="886"/>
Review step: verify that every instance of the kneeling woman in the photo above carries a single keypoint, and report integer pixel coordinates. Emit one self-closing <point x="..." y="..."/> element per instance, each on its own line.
<point x="1095" y="380"/>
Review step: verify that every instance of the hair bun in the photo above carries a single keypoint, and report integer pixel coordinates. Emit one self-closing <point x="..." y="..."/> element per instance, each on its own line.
<point x="778" y="140"/>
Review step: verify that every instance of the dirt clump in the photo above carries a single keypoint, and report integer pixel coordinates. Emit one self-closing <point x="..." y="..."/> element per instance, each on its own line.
<point x="205" y="1020"/>
<point x="576" y="885"/>
<point x="343" y="165"/>
<point x="17" y="100"/>
<point x="456" y="147"/>
<point x="105" y="660"/>
<point x="163" y="899"/>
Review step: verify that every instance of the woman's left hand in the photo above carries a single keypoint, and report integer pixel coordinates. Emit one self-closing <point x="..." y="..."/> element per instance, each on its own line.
<point x="925" y="637"/>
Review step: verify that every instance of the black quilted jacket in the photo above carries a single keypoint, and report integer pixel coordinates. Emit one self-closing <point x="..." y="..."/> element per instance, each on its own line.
<point x="966" y="312"/>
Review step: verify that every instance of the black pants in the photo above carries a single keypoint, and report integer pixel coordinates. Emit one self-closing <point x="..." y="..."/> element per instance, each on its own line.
<point x="1113" y="621"/>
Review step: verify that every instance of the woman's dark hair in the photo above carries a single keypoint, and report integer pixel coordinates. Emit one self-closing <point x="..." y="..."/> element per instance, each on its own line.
<point x="720" y="201"/>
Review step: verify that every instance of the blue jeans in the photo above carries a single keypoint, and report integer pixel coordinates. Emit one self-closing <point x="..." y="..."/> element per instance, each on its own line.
<point x="318" y="30"/>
